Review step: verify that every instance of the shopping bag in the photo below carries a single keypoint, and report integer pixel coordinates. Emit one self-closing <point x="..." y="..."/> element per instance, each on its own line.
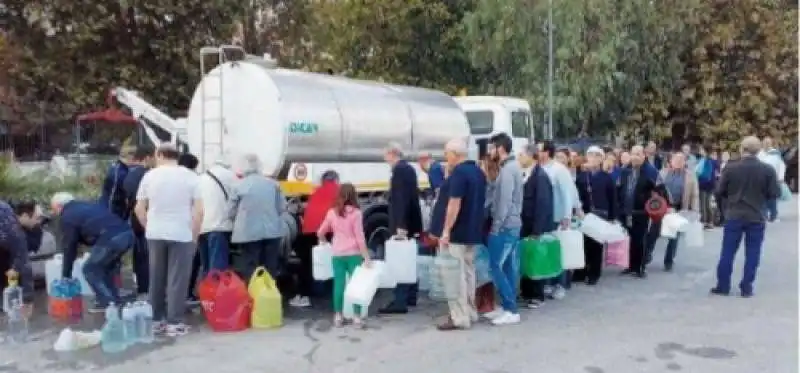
<point x="225" y="301"/>
<point x="572" y="255"/>
<point x="267" y="302"/>
<point x="483" y="275"/>
<point x="541" y="257"/>
<point x="445" y="277"/>
<point x="786" y="193"/>
<point x="617" y="253"/>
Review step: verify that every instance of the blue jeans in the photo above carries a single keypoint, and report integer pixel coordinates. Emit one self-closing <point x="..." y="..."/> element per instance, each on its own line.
<point x="100" y="268"/>
<point x="504" y="266"/>
<point x="771" y="210"/>
<point x="141" y="264"/>
<point x="672" y="249"/>
<point x="734" y="231"/>
<point x="214" y="248"/>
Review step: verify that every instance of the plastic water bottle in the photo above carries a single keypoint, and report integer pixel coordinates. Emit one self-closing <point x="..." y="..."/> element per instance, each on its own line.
<point x="17" y="324"/>
<point x="130" y="324"/>
<point x="145" y="312"/>
<point x="113" y="334"/>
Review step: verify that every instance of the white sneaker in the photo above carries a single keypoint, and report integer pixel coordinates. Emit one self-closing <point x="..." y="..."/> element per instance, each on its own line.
<point x="493" y="314"/>
<point x="507" y="318"/>
<point x="299" y="301"/>
<point x="559" y="292"/>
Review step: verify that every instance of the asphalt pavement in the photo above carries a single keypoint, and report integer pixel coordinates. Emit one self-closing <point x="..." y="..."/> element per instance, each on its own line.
<point x="665" y="323"/>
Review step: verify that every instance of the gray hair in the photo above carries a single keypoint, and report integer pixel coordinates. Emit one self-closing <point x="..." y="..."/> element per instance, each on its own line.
<point x="530" y="149"/>
<point x="637" y="149"/>
<point x="250" y="164"/>
<point x="750" y="145"/>
<point x="457" y="146"/>
<point x="62" y="198"/>
<point x="395" y="148"/>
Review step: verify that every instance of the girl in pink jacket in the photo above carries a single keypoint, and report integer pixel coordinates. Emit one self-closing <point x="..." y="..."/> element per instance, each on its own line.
<point x="348" y="245"/>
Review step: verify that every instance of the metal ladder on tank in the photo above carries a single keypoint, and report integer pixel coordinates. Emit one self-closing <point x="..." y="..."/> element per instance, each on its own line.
<point x="210" y="145"/>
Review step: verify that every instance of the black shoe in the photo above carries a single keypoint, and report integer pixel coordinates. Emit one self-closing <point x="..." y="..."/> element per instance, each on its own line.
<point x="668" y="267"/>
<point x="627" y="272"/>
<point x="412" y="303"/>
<point x="746" y="294"/>
<point x="718" y="291"/>
<point x="392" y="309"/>
<point x="592" y="281"/>
<point x="641" y="274"/>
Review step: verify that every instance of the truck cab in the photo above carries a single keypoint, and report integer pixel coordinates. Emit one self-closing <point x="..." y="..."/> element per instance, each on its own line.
<point x="490" y="115"/>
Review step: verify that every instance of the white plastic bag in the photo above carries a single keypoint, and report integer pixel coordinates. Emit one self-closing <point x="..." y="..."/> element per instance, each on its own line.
<point x="572" y="255"/>
<point x="69" y="340"/>
<point x="672" y="224"/>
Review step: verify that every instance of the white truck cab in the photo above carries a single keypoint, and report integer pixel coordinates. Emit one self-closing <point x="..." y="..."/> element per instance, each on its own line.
<point x="490" y="115"/>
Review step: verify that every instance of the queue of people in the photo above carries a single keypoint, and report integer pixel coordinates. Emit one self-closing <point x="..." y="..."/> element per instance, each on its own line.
<point x="179" y="225"/>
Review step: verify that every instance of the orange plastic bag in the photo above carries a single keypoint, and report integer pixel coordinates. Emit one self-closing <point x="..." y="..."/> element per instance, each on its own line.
<point x="225" y="301"/>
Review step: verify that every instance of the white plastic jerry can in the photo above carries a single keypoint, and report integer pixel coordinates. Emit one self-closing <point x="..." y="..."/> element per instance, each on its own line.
<point x="77" y="273"/>
<point x="363" y="285"/>
<point x="52" y="271"/>
<point x="401" y="260"/>
<point x="322" y="262"/>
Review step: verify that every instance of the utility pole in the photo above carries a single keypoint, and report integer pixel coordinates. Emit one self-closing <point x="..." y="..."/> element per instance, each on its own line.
<point x="550" y="67"/>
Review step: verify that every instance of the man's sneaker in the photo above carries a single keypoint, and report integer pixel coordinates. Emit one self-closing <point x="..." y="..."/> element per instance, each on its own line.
<point x="159" y="328"/>
<point x="558" y="292"/>
<point x="507" y="318"/>
<point x="534" y="304"/>
<point x="491" y="315"/>
<point x="299" y="301"/>
<point x="177" y="330"/>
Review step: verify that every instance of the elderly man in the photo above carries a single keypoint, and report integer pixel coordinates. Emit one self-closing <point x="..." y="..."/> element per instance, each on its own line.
<point x="462" y="230"/>
<point x="773" y="157"/>
<point x="405" y="218"/>
<point x="651" y="151"/>
<point x="257" y="204"/>
<point x="14" y="246"/>
<point x="745" y="186"/>
<point x="433" y="168"/>
<point x="506" y="208"/>
<point x="169" y="206"/>
<point x="109" y="236"/>
<point x="683" y="195"/>
<point x="637" y="184"/>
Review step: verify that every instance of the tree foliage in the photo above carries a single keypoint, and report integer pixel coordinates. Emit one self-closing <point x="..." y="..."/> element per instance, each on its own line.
<point x="72" y="52"/>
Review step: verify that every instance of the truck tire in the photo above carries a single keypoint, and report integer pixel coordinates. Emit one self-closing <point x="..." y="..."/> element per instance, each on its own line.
<point x="376" y="229"/>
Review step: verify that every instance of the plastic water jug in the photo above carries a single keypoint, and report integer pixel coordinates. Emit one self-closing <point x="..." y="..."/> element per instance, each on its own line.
<point x="362" y="285"/>
<point x="401" y="260"/>
<point x="424" y="263"/>
<point x="113" y="333"/>
<point x="599" y="229"/>
<point x="144" y="313"/>
<point x="386" y="279"/>
<point x="671" y="224"/>
<point x="321" y="259"/>
<point x="129" y="323"/>
<point x="17" y="322"/>
<point x="572" y="255"/>
<point x="52" y="271"/>
<point x="694" y="234"/>
<point x="77" y="273"/>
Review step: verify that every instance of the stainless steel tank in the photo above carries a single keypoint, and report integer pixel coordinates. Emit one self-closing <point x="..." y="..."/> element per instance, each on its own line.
<point x="287" y="116"/>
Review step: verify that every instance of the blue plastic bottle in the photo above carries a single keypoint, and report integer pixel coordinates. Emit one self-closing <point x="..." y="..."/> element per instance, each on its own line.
<point x="113" y="333"/>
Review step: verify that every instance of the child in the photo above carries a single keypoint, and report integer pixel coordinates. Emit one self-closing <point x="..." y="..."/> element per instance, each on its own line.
<point x="348" y="245"/>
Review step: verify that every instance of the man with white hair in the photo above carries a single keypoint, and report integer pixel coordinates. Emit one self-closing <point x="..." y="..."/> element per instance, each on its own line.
<point x="110" y="237"/>
<point x="216" y="186"/>
<point x="257" y="204"/>
<point x="405" y="218"/>
<point x="169" y="206"/>
<point x="745" y="186"/>
<point x="462" y="230"/>
<point x="773" y="157"/>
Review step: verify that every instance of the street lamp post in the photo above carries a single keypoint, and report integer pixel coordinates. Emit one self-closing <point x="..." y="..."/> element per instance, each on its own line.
<point x="550" y="134"/>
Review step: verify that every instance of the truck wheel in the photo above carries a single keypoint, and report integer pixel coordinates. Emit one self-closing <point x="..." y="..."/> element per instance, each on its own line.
<point x="376" y="228"/>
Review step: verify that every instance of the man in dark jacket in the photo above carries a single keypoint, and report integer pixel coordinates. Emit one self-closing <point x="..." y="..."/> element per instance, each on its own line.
<point x="14" y="247"/>
<point x="142" y="161"/>
<point x="638" y="182"/>
<point x="112" y="195"/>
<point x="745" y="186"/>
<point x="537" y="216"/>
<point x="597" y="192"/>
<point x="110" y="237"/>
<point x="405" y="218"/>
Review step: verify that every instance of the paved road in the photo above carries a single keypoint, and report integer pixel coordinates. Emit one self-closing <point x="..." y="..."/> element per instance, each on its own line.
<point x="666" y="323"/>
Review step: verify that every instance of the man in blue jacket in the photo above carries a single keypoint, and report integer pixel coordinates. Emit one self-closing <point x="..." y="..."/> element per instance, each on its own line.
<point x="14" y="245"/>
<point x="142" y="161"/>
<point x="108" y="235"/>
<point x="112" y="196"/>
<point x="537" y="216"/>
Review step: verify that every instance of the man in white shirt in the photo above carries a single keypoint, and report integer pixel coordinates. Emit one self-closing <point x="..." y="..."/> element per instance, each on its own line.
<point x="169" y="206"/>
<point x="215" y="188"/>
<point x="773" y="157"/>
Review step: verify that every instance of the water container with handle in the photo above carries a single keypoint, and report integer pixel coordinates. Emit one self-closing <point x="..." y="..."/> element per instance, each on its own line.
<point x="483" y="273"/>
<point x="387" y="280"/>
<point x="362" y="285"/>
<point x="113" y="332"/>
<point x="401" y="260"/>
<point x="671" y="224"/>
<point x="225" y="301"/>
<point x="321" y="258"/>
<point x="77" y="273"/>
<point x="130" y="324"/>
<point x="424" y="263"/>
<point x="445" y="277"/>
<point x="52" y="271"/>
<point x="694" y="234"/>
<point x="145" y="321"/>
<point x="572" y="254"/>
<point x="598" y="229"/>
<point x="267" y="302"/>
<point x="541" y="257"/>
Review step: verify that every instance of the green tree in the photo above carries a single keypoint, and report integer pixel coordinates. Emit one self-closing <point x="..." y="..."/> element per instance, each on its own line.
<point x="72" y="52"/>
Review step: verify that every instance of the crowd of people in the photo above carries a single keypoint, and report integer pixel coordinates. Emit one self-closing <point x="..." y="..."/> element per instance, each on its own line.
<point x="180" y="225"/>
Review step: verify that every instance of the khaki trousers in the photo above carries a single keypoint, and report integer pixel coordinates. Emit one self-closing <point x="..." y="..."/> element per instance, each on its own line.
<point x="462" y="307"/>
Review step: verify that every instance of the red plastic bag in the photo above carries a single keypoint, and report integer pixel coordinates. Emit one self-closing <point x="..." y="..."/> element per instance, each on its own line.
<point x="225" y="301"/>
